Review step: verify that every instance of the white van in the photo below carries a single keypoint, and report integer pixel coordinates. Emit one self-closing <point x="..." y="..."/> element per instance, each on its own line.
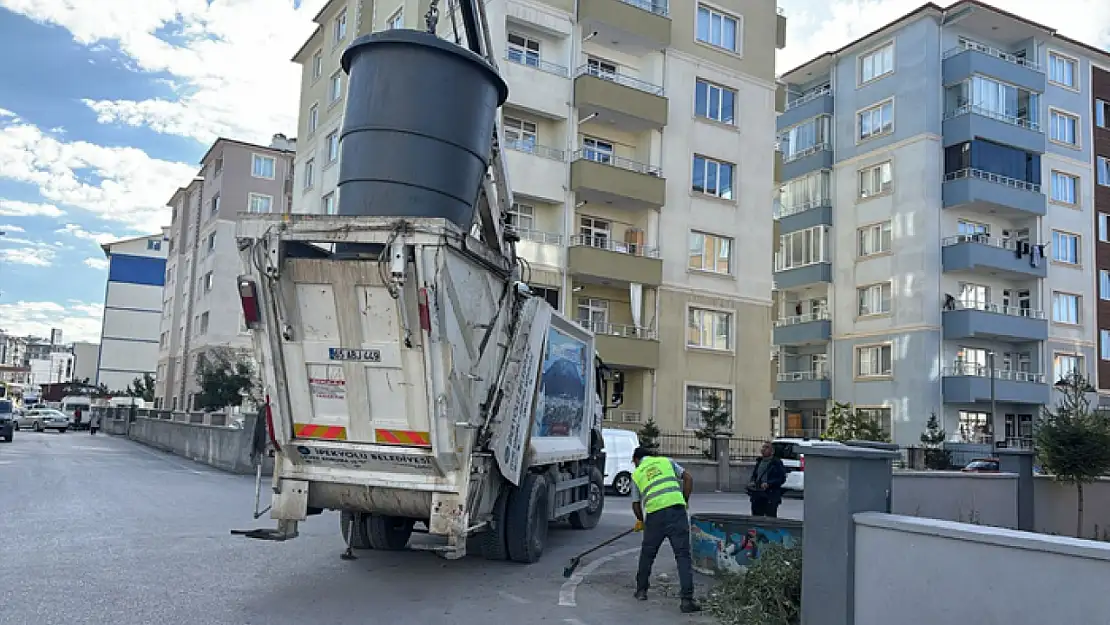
<point x="619" y="445"/>
<point x="71" y="402"/>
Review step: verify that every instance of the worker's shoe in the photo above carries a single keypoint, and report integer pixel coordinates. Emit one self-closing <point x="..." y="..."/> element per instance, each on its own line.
<point x="641" y="594"/>
<point x="689" y="605"/>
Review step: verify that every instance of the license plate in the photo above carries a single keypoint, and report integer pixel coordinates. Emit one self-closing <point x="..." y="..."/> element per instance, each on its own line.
<point x="362" y="355"/>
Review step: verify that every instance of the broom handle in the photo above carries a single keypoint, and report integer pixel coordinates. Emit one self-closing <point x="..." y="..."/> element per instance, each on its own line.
<point x="607" y="543"/>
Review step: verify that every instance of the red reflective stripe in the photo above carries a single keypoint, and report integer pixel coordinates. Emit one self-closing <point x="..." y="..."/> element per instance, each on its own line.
<point x="334" y="432"/>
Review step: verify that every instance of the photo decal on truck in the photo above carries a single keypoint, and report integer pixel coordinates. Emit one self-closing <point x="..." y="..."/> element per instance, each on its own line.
<point x="561" y="406"/>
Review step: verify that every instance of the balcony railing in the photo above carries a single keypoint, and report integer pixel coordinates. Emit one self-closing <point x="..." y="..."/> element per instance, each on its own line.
<point x="623" y="416"/>
<point x="809" y="97"/>
<point x="801" y="376"/>
<point x="794" y="320"/>
<point x="608" y="158"/>
<point x="786" y="211"/>
<point x="995" y="115"/>
<point x="982" y="239"/>
<point x="966" y="44"/>
<point x="540" y="64"/>
<point x="658" y="7"/>
<point x="620" y="79"/>
<point x="813" y="149"/>
<point x="784" y="264"/>
<point x="605" y="243"/>
<point x="613" y="329"/>
<point x="539" y="236"/>
<point x="995" y="178"/>
<point x="1013" y="311"/>
<point x="982" y="371"/>
<point x="531" y="147"/>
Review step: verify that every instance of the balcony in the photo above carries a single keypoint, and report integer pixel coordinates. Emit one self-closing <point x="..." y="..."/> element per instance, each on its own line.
<point x="804" y="161"/>
<point x="793" y="276"/>
<point x="971" y="122"/>
<point x="608" y="179"/>
<point x="970" y="58"/>
<point x="642" y="24"/>
<point x="980" y="190"/>
<point x="624" y="346"/>
<point x="999" y="323"/>
<point x="536" y="85"/>
<point x="802" y="385"/>
<point x="627" y="103"/>
<point x="981" y="253"/>
<point x="802" y="329"/>
<point x="812" y="104"/>
<point x="537" y="171"/>
<point x="816" y="212"/>
<point x="964" y="383"/>
<point x="611" y="261"/>
<point x="540" y="248"/>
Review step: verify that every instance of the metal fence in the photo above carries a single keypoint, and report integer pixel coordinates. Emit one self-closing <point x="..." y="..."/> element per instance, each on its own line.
<point x="688" y="445"/>
<point x="959" y="454"/>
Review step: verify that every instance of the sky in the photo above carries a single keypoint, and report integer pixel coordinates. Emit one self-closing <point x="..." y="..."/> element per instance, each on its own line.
<point x="106" y="107"/>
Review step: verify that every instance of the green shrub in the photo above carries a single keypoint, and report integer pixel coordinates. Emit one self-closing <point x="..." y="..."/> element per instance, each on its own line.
<point x="768" y="593"/>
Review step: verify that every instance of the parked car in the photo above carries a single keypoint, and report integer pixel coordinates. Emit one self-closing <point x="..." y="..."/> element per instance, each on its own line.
<point x="7" y="420"/>
<point x="619" y="445"/>
<point x="39" y="419"/>
<point x="792" y="453"/>
<point x="982" y="465"/>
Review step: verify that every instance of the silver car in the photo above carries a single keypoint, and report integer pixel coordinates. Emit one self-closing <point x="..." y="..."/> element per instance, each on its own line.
<point x="39" y="419"/>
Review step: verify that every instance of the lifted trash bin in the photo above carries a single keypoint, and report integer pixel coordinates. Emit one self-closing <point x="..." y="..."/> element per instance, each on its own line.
<point x="729" y="542"/>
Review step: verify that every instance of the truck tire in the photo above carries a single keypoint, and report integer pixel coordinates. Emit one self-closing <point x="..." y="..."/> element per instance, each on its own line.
<point x="388" y="533"/>
<point x="526" y="520"/>
<point x="587" y="518"/>
<point x="354" y="521"/>
<point x="494" y="546"/>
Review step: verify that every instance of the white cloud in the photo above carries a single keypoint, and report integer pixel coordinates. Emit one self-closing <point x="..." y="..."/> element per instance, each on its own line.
<point x="120" y="184"/>
<point x="11" y="228"/>
<point x="30" y="253"/>
<point x="818" y="26"/>
<point x="79" y="320"/>
<point x="13" y="208"/>
<point x="97" y="263"/>
<point x="6" y="113"/>
<point x="100" y="238"/>
<point x="229" y="60"/>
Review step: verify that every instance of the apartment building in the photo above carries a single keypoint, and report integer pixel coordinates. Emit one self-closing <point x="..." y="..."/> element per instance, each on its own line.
<point x="639" y="154"/>
<point x="937" y="225"/>
<point x="200" y="307"/>
<point x="132" y="310"/>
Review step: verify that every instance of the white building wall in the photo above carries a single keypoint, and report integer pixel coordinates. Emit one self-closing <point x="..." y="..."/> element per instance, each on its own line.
<point x="132" y="314"/>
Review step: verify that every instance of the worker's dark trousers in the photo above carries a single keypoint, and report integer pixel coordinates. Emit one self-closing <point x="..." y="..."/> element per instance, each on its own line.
<point x="673" y="525"/>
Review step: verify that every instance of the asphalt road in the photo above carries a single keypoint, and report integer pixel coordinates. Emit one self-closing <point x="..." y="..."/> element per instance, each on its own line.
<point x="99" y="530"/>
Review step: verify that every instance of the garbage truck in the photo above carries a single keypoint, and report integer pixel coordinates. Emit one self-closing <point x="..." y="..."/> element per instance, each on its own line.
<point x="413" y="381"/>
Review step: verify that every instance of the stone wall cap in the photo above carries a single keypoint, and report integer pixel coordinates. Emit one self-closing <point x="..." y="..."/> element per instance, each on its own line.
<point x="846" y="451"/>
<point x="1005" y="451"/>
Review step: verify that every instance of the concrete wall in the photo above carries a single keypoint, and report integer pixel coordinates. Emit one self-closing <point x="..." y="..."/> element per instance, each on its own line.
<point x="899" y="560"/>
<point x="217" y="446"/>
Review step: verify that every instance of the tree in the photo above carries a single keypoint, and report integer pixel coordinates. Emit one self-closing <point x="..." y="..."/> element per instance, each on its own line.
<point x="143" y="388"/>
<point x="716" y="420"/>
<point x="846" y="425"/>
<point x="649" y="435"/>
<point x="224" y="378"/>
<point x="1073" y="441"/>
<point x="937" y="457"/>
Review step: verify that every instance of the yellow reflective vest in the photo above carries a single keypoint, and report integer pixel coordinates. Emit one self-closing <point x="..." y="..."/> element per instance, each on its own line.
<point x="658" y="484"/>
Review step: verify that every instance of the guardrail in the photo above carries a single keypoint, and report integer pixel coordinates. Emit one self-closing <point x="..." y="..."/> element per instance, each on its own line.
<point x="809" y="97"/>
<point x="1013" y="311"/>
<point x="620" y="79"/>
<point x="540" y="64"/>
<point x="606" y="243"/>
<point x="967" y="109"/>
<point x="995" y="178"/>
<point x="531" y="147"/>
<point x="982" y="371"/>
<point x="608" y="158"/>
<point x="966" y="44"/>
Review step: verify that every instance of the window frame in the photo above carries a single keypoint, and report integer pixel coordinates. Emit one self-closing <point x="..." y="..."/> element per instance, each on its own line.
<point x="335" y="94"/>
<point x="391" y="23"/>
<point x="317" y="64"/>
<point x="1102" y="170"/>
<point x="707" y="160"/>
<point x="860" y="291"/>
<point x="516" y="214"/>
<point x="329" y="197"/>
<point x="309" y="173"/>
<point x="1104" y="344"/>
<point x="1075" y="185"/>
<point x="522" y="51"/>
<point x="871" y="53"/>
<point x="313" y="118"/>
<point x="1101" y="117"/>
<point x="1054" y="112"/>
<point x="737" y="20"/>
<point x="256" y="158"/>
<point x="709" y="87"/>
<point x="328" y="138"/>
<point x="869" y="230"/>
<point x="1067" y="237"/>
<point x="1077" y="299"/>
<point x="878" y="106"/>
<point x="729" y="321"/>
<point x="729" y="241"/>
<point x="1104" y="284"/>
<point x="1103" y="227"/>
<point x="857" y="361"/>
<point x="728" y="390"/>
<point x="250" y="203"/>
<point x="1080" y="365"/>
<point x="339" y="28"/>
<point x="870" y="172"/>
<point x="1068" y="58"/>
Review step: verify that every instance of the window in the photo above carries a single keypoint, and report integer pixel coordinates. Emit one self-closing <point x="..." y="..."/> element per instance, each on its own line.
<point x="714" y="102"/>
<point x="873" y="361"/>
<point x="522" y="216"/>
<point x="335" y="89"/>
<point x="873" y="239"/>
<point x="974" y="296"/>
<point x="339" y="28"/>
<point x="1102" y="113"/>
<point x="204" y="323"/>
<point x="1063" y="70"/>
<point x="1063" y="365"/>
<point x="1104" y="284"/>
<point x="154" y="245"/>
<point x="313" y="118"/>
<point x="309" y="173"/>
<point x="1102" y="171"/>
<point x="801" y="248"/>
<point x="263" y="166"/>
<point x="215" y="203"/>
<point x="605" y="70"/>
<point x="333" y="146"/>
<point x="1065" y="188"/>
<point x="711" y="329"/>
<point x="713" y="177"/>
<point x="974" y="427"/>
<point x="805" y="138"/>
<point x="806" y="192"/>
<point x="702" y="398"/>
<point x="397" y="20"/>
<point x="523" y="50"/>
<point x="317" y="64"/>
<point x="1065" y="247"/>
<point x="874" y="299"/>
<point x="211" y="243"/>
<point x="1104" y="227"/>
<point x="718" y="29"/>
<point x="206" y="283"/>
<point x="709" y="252"/>
<point x="594" y="232"/>
<point x="548" y="294"/>
<point x="328" y="204"/>
<point x="875" y="180"/>
<point x="1104" y="344"/>
<point x="597" y="150"/>
<point x="1063" y="127"/>
<point x="1065" y="308"/>
<point x="876" y="64"/>
<point x="877" y="120"/>
<point x="519" y="134"/>
<point x="879" y="415"/>
<point x="260" y="203"/>
<point x="995" y="99"/>
<point x="593" y="313"/>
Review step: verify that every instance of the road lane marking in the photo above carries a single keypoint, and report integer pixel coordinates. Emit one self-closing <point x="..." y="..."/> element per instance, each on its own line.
<point x="570" y="587"/>
<point x="514" y="598"/>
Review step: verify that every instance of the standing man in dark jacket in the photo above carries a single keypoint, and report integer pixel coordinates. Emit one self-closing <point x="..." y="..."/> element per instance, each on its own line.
<point x="765" y="483"/>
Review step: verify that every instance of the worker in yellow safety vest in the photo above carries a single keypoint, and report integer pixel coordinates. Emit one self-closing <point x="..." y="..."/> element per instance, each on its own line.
<point x="660" y="493"/>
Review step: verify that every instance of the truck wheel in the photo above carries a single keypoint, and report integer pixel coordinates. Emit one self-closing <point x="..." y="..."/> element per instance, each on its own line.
<point x="527" y="518"/>
<point x="587" y="518"/>
<point x="494" y="546"/>
<point x="388" y="533"/>
<point x="356" y="522"/>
